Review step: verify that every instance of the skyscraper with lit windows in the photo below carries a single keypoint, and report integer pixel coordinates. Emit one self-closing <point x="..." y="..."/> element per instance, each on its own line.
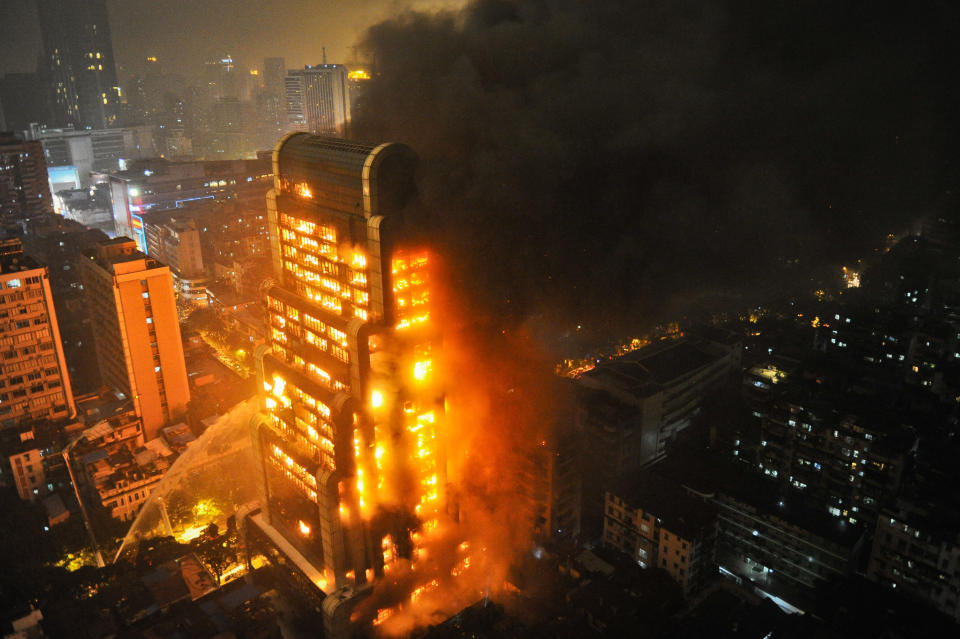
<point x="78" y="63"/>
<point x="318" y="99"/>
<point x="349" y="427"/>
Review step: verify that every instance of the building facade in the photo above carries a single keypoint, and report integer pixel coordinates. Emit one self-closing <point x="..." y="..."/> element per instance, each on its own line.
<point x="349" y="388"/>
<point x="847" y="462"/>
<point x="24" y="189"/>
<point x="658" y="525"/>
<point x="916" y="551"/>
<point x="137" y="331"/>
<point x="318" y="99"/>
<point x="159" y="184"/>
<point x="34" y="383"/>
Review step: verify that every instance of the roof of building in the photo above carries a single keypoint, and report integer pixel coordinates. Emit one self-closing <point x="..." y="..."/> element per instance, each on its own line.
<point x="354" y="175"/>
<point x="678" y="511"/>
<point x="706" y="473"/>
<point x="13" y="259"/>
<point x="643" y="372"/>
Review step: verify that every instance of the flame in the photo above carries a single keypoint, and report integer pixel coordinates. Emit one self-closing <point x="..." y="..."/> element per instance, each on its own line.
<point x="304" y="528"/>
<point x="303" y="190"/>
<point x="421" y="369"/>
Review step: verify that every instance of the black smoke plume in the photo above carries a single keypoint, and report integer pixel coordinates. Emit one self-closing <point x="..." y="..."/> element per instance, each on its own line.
<point x="611" y="159"/>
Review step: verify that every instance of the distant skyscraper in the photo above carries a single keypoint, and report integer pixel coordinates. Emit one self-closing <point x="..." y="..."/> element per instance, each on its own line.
<point x="24" y="189"/>
<point x="137" y="331"/>
<point x="271" y="104"/>
<point x="349" y="387"/>
<point x="78" y="63"/>
<point x="33" y="373"/>
<point x="274" y="72"/>
<point x="318" y="99"/>
<point x="220" y="78"/>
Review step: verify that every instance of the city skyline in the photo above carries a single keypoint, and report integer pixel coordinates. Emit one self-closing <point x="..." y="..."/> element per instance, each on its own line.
<point x="303" y="43"/>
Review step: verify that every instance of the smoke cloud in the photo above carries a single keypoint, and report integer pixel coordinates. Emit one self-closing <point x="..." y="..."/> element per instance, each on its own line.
<point x="588" y="160"/>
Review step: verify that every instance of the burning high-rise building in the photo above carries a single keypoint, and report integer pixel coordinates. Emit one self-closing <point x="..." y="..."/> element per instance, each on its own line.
<point x="350" y="426"/>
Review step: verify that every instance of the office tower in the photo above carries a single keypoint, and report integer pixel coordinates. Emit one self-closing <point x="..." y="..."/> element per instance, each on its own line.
<point x="134" y="315"/>
<point x="318" y="99"/>
<point x="349" y="389"/>
<point x="24" y="190"/>
<point x="78" y="62"/>
<point x="33" y="373"/>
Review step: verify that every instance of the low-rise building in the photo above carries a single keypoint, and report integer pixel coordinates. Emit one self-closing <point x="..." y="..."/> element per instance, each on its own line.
<point x="772" y="538"/>
<point x="630" y="408"/>
<point x="658" y="524"/>
<point x="129" y="482"/>
<point x="917" y="553"/>
<point x="846" y="456"/>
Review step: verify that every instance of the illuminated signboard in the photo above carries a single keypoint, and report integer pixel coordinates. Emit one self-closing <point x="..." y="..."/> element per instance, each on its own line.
<point x="138" y="233"/>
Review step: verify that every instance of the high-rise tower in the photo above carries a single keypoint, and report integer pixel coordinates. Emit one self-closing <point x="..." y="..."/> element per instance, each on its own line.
<point x="78" y="63"/>
<point x="24" y="188"/>
<point x="137" y="331"/>
<point x="349" y="431"/>
<point x="33" y="376"/>
<point x="318" y="99"/>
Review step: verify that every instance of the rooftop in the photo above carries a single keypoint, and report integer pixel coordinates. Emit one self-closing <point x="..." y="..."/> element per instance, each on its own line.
<point x="707" y="473"/>
<point x="645" y="371"/>
<point x="679" y="512"/>
<point x="13" y="259"/>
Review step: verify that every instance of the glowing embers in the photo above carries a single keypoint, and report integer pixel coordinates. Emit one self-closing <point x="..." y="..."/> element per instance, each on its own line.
<point x="276" y="395"/>
<point x="422" y="431"/>
<point x="303" y="190"/>
<point x="411" y="289"/>
<point x="294" y="472"/>
<point x="422" y="369"/>
<point x="464" y="563"/>
<point x="413" y="321"/>
<point x="389" y="550"/>
<point x="325" y="580"/>
<point x="383" y="615"/>
<point x="425" y="589"/>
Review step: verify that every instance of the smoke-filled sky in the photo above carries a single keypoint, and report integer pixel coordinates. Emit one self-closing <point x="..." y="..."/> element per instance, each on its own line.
<point x="182" y="33"/>
<point x="615" y="159"/>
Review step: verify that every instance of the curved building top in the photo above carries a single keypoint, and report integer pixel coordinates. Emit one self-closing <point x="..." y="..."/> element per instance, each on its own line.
<point x="344" y="176"/>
